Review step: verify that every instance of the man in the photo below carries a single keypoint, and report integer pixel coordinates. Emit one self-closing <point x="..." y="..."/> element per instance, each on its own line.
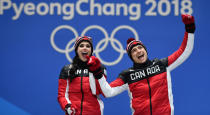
<point x="148" y="81"/>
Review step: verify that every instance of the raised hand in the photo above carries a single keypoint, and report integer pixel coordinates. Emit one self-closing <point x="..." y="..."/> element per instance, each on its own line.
<point x="95" y="66"/>
<point x="189" y="22"/>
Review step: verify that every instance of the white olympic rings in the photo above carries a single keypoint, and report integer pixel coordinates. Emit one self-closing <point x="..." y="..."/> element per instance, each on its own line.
<point x="98" y="49"/>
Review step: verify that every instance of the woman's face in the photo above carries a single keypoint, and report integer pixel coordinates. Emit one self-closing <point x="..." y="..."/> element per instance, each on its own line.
<point x="84" y="49"/>
<point x="139" y="54"/>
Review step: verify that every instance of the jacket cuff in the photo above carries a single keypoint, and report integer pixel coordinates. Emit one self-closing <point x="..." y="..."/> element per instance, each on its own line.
<point x="67" y="106"/>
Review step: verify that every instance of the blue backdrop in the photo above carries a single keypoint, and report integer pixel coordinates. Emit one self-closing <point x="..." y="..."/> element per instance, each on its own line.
<point x="36" y="39"/>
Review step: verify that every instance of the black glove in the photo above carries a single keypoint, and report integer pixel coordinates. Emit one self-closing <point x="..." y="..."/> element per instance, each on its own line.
<point x="189" y="22"/>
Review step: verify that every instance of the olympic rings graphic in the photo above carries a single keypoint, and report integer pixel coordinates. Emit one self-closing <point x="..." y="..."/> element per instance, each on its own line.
<point x="98" y="49"/>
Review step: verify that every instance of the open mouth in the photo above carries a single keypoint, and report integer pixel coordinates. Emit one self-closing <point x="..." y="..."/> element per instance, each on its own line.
<point x="140" y="56"/>
<point x="84" y="53"/>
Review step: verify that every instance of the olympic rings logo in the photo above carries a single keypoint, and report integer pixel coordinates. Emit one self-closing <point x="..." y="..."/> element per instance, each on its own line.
<point x="98" y="49"/>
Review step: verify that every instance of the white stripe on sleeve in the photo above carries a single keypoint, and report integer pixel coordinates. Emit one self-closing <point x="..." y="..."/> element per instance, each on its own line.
<point x="111" y="91"/>
<point x="67" y="89"/>
<point x="185" y="54"/>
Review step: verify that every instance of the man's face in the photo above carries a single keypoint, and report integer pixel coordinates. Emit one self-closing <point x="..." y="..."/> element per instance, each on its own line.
<point x="139" y="54"/>
<point x="84" y="49"/>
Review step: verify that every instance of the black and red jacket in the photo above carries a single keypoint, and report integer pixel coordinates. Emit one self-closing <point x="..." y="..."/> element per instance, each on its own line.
<point x="149" y="85"/>
<point x="80" y="89"/>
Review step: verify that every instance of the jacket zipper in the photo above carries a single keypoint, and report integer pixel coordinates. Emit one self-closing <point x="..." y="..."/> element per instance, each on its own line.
<point x="150" y="100"/>
<point x="82" y="96"/>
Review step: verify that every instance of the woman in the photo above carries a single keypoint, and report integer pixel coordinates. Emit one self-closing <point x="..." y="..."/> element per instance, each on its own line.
<point x="78" y="91"/>
<point x="149" y="82"/>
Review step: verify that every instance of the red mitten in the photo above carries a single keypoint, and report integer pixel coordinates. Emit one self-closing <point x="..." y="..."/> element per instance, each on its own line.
<point x="189" y="22"/>
<point x="187" y="19"/>
<point x="95" y="66"/>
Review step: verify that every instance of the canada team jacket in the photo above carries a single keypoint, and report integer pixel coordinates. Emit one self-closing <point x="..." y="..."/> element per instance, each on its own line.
<point x="150" y="88"/>
<point x="82" y="92"/>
